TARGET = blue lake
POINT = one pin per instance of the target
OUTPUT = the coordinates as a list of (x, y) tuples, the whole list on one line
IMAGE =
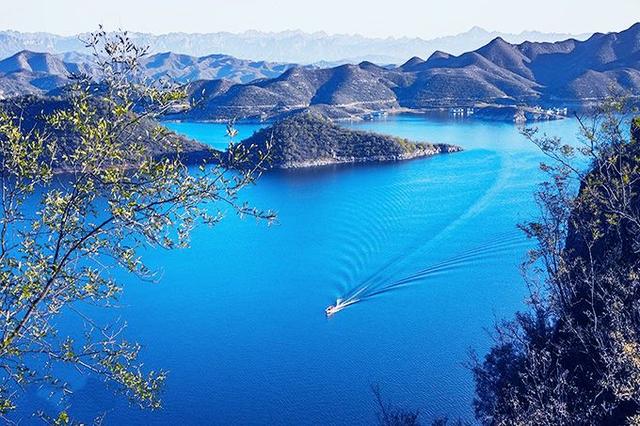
[(238, 319)]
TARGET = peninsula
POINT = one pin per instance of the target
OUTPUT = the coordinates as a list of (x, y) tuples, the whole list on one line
[(309, 139)]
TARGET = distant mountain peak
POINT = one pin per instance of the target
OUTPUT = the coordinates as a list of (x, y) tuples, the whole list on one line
[(416, 60), (558, 74), (634, 29), (368, 65), (287, 46), (477, 30), (37, 62), (439, 54), (497, 46), (499, 41)]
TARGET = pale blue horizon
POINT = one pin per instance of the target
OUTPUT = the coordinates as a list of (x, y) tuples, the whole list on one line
[(407, 18)]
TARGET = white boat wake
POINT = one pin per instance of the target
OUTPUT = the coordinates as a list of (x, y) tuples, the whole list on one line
[(374, 286)]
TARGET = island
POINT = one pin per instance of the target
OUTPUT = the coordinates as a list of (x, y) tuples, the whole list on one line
[(310, 139)]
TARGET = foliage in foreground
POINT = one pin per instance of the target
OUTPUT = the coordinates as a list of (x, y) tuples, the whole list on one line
[(575, 357), (63, 237)]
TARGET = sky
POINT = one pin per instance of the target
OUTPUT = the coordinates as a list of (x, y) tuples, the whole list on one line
[(373, 18)]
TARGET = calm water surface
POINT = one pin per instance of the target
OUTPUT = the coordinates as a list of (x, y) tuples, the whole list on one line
[(238, 320)]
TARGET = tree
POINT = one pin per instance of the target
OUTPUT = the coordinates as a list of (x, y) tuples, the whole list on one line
[(85, 185), (574, 358)]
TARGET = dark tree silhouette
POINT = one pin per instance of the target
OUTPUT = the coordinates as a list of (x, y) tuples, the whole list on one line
[(574, 358)]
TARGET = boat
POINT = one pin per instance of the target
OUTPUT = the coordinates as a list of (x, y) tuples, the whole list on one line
[(340, 305), (333, 309)]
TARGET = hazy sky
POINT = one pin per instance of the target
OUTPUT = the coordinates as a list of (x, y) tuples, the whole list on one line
[(413, 18)]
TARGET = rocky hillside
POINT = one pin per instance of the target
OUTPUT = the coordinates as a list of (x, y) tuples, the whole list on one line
[(185, 68), (307, 140), (29, 73), (568, 73), (352, 88)]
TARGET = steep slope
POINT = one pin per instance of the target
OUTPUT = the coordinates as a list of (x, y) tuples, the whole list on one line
[(584, 323), (355, 84), (412, 63), (576, 70), (27, 61), (506, 56), (27, 73), (292, 90), (185, 68), (465, 80), (37, 73)]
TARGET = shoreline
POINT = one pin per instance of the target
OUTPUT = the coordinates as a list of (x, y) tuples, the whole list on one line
[(341, 116), (440, 149)]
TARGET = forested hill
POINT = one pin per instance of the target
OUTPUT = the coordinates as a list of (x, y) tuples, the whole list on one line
[(31, 113), (307, 140)]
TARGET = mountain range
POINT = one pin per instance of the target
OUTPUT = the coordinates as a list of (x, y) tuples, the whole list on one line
[(29, 72), (287, 46), (560, 74), (566, 73)]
